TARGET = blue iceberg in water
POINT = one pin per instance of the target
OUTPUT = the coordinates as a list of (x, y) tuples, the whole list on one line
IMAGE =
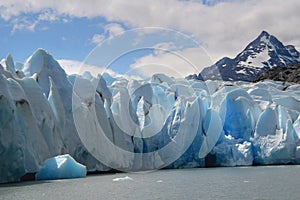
[(61, 167)]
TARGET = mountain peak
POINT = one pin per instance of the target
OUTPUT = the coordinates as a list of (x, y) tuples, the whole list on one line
[(263, 53), (264, 33), (266, 38)]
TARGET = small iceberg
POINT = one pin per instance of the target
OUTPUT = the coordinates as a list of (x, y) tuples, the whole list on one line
[(61, 167), (126, 178)]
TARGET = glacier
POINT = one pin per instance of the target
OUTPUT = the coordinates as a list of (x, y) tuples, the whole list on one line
[(108, 123)]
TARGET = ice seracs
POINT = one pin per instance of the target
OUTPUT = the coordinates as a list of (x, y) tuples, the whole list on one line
[(107, 122)]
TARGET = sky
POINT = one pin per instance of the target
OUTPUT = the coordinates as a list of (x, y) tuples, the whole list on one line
[(142, 37)]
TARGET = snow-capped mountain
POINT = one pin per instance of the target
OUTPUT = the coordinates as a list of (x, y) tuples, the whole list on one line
[(264, 53)]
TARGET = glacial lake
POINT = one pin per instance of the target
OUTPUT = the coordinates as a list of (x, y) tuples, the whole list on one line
[(256, 183)]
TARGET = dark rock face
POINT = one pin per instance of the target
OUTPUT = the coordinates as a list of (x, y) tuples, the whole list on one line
[(262, 54), (285, 74)]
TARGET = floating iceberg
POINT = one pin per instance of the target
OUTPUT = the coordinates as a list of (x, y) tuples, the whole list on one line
[(109, 122), (126, 178), (61, 167)]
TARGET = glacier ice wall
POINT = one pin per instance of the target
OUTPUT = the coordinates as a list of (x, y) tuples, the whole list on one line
[(109, 123)]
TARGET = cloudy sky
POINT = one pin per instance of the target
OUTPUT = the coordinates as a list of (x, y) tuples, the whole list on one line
[(195, 33)]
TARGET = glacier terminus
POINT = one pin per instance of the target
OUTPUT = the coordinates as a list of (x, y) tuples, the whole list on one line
[(108, 122)]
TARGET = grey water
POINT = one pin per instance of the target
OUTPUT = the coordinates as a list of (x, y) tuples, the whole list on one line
[(257, 183)]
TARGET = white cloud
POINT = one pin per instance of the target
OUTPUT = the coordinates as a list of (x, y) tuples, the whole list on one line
[(164, 46), (110, 31), (175, 63), (23, 24), (30, 23), (97, 38), (47, 16), (225, 28), (77, 67), (113, 29)]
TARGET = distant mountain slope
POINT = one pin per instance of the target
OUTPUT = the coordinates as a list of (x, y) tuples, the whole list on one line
[(286, 73), (262, 54)]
